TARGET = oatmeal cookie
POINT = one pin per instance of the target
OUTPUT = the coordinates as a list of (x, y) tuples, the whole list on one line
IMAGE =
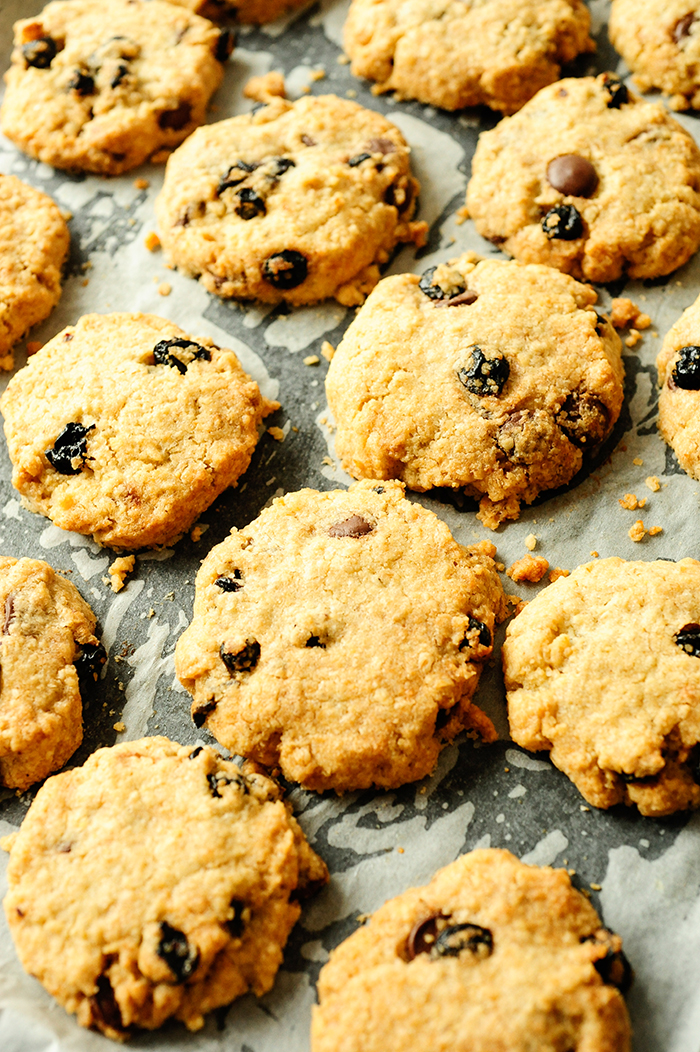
[(660, 42), (678, 363)]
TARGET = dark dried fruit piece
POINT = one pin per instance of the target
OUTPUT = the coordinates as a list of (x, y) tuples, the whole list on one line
[(236, 924), (315, 641), (681, 29), (195, 752), (238, 171), (250, 204), (572, 175), (563, 222), (485, 637), (688, 639), (40, 53), (359, 158), (81, 83), (382, 146), (286, 269), (243, 660), (485, 376), (70, 446), (230, 582), (686, 371), (173, 948), (617, 93), (584, 419), (422, 936), (354, 526), (88, 665), (601, 325), (613, 968), (200, 714), (224, 45), (434, 292), (118, 77), (463, 298), (9, 614), (104, 1009), (175, 120), (280, 165), (189, 352), (459, 937)]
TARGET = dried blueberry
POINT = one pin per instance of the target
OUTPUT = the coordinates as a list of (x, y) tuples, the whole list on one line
[(572, 175), (434, 292), (238, 171), (88, 665), (189, 352), (181, 958), (9, 614), (315, 641), (688, 639), (286, 269), (175, 120), (613, 968), (250, 204), (458, 937), (280, 165), (118, 77), (422, 936), (686, 371), (359, 158), (81, 83), (104, 1008), (485, 376), (485, 637), (617, 93), (236, 924), (563, 222), (216, 781), (584, 419), (230, 582), (70, 446), (195, 752), (354, 526), (243, 660), (40, 53), (681, 29), (224, 45), (200, 714), (601, 325)]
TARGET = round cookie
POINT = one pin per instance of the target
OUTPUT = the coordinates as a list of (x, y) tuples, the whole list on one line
[(454, 54), (156, 881), (246, 11), (341, 636), (295, 202), (490, 377), (602, 669), (678, 363), (660, 42), (591, 179), (491, 954), (102, 85), (125, 428), (34, 243), (50, 656)]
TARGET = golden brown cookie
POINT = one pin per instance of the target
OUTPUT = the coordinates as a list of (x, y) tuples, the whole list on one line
[(246, 11), (678, 363), (660, 42)]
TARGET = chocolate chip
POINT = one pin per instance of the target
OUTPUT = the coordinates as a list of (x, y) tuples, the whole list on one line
[(456, 938), (243, 660), (354, 526), (584, 419), (176, 119), (189, 352), (434, 292), (681, 29), (563, 222), (359, 158), (81, 83), (572, 175), (467, 297), (9, 614), (70, 445), (40, 53), (173, 948), (250, 204), (315, 641), (104, 1008), (236, 924), (286, 269), (485, 637), (686, 371), (231, 582), (88, 665), (381, 146), (195, 752), (224, 45), (238, 171), (485, 376), (617, 93), (200, 714), (613, 968), (688, 639), (118, 77), (422, 936)]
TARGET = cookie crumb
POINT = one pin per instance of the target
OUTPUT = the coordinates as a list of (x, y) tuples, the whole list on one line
[(119, 727), (152, 241), (596, 887), (461, 215), (85, 282), (652, 483), (594, 555), (141, 184), (531, 542), (633, 339), (318, 74), (164, 289), (631, 503), (327, 350), (351, 93), (151, 612), (500, 567), (119, 571), (400, 850), (312, 359), (556, 572), (624, 312), (343, 60), (531, 568), (196, 533), (277, 433), (262, 89), (638, 461), (328, 462), (33, 346), (637, 532), (655, 530)]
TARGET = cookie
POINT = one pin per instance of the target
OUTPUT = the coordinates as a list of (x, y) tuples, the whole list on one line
[(102, 85), (125, 428), (490, 377), (455, 54), (50, 656), (295, 202), (591, 179), (246, 11), (491, 954), (157, 880), (660, 42), (602, 669), (678, 363), (341, 636), (34, 242)]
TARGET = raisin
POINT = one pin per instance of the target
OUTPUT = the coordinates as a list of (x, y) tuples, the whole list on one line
[(286, 269), (118, 77), (250, 204), (381, 146), (81, 83), (686, 371), (175, 120), (359, 158), (217, 780), (236, 924), (354, 526), (40, 53), (235, 175), (191, 352), (224, 45), (617, 93), (315, 641), (688, 639), (173, 948), (458, 937), (105, 1011), (280, 165), (195, 752), (485, 637), (230, 583), (681, 29), (88, 665), (584, 419), (200, 714), (563, 222), (9, 614), (70, 445), (572, 175), (243, 660), (434, 292), (467, 297), (485, 376), (613, 968), (422, 936)]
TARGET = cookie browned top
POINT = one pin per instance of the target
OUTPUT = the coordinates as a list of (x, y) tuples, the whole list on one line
[(678, 363), (602, 668), (155, 881), (246, 11), (660, 42), (456, 53), (341, 635), (591, 179), (296, 201), (489, 376), (126, 428), (101, 85), (491, 954)]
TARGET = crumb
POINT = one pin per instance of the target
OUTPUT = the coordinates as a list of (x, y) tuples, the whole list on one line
[(196, 534), (517, 603), (556, 572), (638, 461), (277, 433), (655, 335), (329, 463), (507, 770), (306, 90), (33, 346), (85, 282), (164, 289), (151, 612), (119, 727), (530, 568), (343, 60), (624, 312), (312, 359), (318, 74), (582, 807), (400, 850), (119, 570), (461, 215), (264, 88), (531, 542), (500, 567), (594, 555), (141, 184), (596, 887), (571, 872), (327, 350), (296, 429), (637, 532), (655, 530), (152, 241), (630, 502), (633, 339), (132, 221), (67, 216), (652, 483), (351, 93)]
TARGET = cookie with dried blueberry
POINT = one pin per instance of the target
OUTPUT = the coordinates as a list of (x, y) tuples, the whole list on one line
[(51, 659), (491, 954), (678, 364), (341, 636), (295, 202), (660, 42), (590, 179), (453, 55), (490, 377), (102, 85), (157, 880), (125, 428), (257, 12), (602, 670)]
